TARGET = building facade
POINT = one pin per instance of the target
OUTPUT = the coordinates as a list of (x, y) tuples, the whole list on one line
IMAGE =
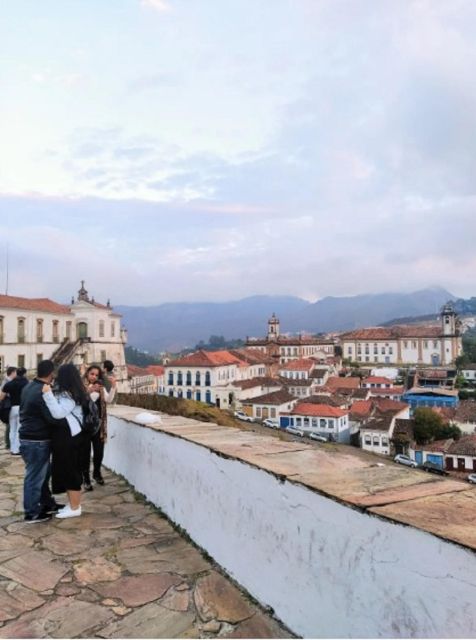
[(85, 332), (433, 345)]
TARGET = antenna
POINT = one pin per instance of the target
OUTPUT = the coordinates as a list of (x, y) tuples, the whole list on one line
[(6, 284)]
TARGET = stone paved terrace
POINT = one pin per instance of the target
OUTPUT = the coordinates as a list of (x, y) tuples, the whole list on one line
[(119, 571)]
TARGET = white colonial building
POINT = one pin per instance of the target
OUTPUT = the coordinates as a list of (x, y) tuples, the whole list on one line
[(34, 329), (412, 344), (287, 348)]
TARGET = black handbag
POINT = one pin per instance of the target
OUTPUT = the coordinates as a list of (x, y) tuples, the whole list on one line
[(5, 406)]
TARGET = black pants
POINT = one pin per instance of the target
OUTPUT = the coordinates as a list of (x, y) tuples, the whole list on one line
[(98, 455)]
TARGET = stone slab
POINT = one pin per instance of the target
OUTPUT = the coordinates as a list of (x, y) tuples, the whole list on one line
[(149, 621), (451, 516), (36, 570), (217, 599), (15, 600), (97, 570), (135, 591)]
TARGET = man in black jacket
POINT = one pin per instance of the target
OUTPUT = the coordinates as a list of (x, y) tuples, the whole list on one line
[(35, 424), (14, 388)]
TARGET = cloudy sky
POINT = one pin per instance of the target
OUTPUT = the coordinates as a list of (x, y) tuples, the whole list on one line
[(168, 150)]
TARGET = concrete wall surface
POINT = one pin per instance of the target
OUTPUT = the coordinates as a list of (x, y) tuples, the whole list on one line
[(326, 569)]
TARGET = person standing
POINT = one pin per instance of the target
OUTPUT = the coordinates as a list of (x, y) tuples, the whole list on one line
[(14, 388), (93, 381), (36, 423), (109, 379), (10, 374), (67, 405)]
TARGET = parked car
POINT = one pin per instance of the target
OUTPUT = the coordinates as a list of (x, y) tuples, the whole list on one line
[(431, 467), (269, 422), (472, 478), (295, 432), (316, 436), (400, 458), (241, 415)]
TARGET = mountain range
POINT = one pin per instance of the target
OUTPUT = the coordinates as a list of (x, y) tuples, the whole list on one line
[(175, 326)]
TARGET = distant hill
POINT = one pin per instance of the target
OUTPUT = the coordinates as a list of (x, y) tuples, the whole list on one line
[(174, 326)]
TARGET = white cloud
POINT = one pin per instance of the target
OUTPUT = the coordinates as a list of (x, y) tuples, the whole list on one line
[(157, 5)]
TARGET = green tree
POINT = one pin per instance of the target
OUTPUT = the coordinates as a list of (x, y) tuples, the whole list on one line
[(429, 426)]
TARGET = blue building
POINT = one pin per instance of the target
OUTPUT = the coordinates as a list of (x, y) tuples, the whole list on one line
[(430, 397)]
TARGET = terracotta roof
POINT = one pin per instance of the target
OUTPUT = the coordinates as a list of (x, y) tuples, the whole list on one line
[(385, 405), (469, 367), (377, 380), (333, 401), (466, 411), (156, 370), (403, 426), (133, 371), (207, 359), (289, 341), (302, 364), (465, 446), (252, 356), (335, 382), (386, 391), (378, 424), (393, 333), (273, 398), (259, 381), (361, 408), (360, 394), (321, 410), (33, 304), (438, 446), (319, 373)]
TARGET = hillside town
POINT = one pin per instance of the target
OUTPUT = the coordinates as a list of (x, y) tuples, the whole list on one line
[(361, 388)]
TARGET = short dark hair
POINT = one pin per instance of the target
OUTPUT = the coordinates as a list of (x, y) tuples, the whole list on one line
[(21, 372), (45, 368), (11, 370), (108, 365)]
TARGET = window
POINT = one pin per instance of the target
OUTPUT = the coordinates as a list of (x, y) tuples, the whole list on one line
[(171, 378), (258, 412), (179, 379), (314, 422), (323, 423), (405, 345), (21, 330), (383, 350), (368, 440), (349, 351), (272, 412), (367, 349), (413, 344), (39, 330), (68, 329), (207, 379), (376, 441), (425, 344), (21, 360), (367, 359), (113, 329), (189, 378), (435, 344), (375, 358), (171, 393), (390, 350), (384, 441), (55, 330), (375, 348), (298, 422), (197, 379), (101, 328)]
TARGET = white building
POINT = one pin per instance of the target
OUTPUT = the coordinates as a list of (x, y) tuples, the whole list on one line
[(321, 419), (377, 431), (85, 332), (412, 344)]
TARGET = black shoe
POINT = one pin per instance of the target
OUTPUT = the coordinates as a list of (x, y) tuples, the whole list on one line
[(41, 517), (54, 508), (87, 486), (98, 478)]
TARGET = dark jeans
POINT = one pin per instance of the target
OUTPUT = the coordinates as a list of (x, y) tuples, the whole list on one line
[(98, 455), (36, 493)]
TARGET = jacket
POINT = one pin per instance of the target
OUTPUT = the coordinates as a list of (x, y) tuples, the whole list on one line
[(14, 389), (35, 419)]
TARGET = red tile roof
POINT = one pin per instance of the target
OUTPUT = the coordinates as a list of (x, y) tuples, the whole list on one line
[(361, 408), (465, 446), (378, 391), (273, 398), (156, 370), (207, 359), (133, 371), (437, 446), (322, 410), (33, 304), (302, 364), (385, 405), (393, 333), (377, 380), (336, 382)]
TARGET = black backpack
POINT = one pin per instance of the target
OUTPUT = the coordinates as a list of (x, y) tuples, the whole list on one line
[(91, 420)]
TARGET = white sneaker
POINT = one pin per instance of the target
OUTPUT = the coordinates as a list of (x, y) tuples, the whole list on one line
[(67, 512)]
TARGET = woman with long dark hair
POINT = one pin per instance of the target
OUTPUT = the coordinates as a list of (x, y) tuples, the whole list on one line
[(67, 404), (94, 384)]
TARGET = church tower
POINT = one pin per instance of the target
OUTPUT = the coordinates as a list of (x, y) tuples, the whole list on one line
[(273, 328), (449, 320)]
